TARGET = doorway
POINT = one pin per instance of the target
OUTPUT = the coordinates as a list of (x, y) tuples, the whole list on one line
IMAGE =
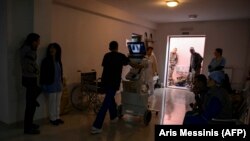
[(178, 76)]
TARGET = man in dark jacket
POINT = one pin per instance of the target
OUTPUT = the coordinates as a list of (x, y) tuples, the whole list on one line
[(195, 62)]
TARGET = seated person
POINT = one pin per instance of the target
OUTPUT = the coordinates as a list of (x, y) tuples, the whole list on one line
[(199, 89), (226, 84), (247, 84), (216, 102), (246, 91)]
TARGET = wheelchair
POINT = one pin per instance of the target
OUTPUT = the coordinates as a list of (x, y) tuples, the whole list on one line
[(86, 95)]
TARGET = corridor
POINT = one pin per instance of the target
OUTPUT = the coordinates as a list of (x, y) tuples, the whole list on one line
[(168, 107)]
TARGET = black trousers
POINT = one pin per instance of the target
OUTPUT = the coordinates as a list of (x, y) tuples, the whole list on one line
[(32, 92), (108, 104)]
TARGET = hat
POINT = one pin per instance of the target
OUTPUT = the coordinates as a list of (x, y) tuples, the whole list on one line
[(217, 76)]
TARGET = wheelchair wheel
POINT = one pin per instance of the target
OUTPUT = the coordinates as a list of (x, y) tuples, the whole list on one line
[(96, 102), (97, 107), (79, 99)]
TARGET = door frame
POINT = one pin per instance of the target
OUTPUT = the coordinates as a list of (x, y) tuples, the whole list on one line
[(169, 46)]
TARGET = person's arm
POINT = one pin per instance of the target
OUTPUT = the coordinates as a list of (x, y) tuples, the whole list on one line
[(135, 65), (155, 64), (200, 59), (218, 68), (210, 69), (104, 60), (43, 72), (176, 59)]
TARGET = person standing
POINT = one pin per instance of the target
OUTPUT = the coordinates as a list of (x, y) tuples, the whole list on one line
[(151, 69), (112, 64), (218, 62), (195, 63), (30, 72), (173, 60), (51, 81)]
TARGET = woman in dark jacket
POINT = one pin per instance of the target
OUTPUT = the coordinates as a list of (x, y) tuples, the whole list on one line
[(30, 73), (51, 81)]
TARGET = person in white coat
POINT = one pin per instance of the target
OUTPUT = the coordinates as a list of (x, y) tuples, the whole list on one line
[(150, 69)]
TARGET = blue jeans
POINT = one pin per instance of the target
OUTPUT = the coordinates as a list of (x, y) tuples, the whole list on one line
[(108, 104)]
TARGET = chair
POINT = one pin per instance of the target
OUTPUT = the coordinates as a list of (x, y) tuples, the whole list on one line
[(89, 83)]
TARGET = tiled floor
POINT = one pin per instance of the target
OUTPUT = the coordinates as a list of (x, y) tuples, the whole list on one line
[(176, 104), (171, 104)]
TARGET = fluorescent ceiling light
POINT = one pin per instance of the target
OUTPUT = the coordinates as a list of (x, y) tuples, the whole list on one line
[(193, 16)]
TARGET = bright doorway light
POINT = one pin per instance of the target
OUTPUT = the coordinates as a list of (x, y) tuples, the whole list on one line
[(181, 70)]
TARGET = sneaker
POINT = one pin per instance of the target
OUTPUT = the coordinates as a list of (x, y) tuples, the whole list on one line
[(54, 122), (60, 121), (95, 130)]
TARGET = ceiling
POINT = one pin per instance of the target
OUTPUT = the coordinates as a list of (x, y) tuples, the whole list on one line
[(206, 10)]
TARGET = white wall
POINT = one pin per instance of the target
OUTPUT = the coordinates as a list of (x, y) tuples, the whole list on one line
[(83, 31), (232, 36), (85, 35)]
